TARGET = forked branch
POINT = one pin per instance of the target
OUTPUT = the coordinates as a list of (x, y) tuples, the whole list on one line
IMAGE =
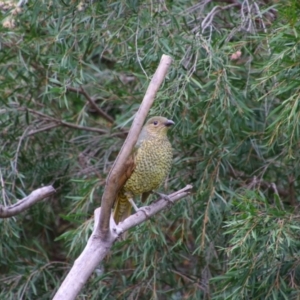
[(97, 248)]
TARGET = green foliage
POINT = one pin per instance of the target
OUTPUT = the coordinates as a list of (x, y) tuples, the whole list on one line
[(233, 92), (264, 243)]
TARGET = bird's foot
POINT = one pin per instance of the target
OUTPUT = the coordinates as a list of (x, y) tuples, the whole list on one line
[(163, 196), (144, 209)]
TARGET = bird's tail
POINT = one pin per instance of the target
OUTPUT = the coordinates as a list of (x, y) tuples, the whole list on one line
[(122, 208)]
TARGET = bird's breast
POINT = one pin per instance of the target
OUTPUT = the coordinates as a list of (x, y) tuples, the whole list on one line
[(153, 162)]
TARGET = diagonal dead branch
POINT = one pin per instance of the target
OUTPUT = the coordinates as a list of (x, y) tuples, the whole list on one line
[(20, 206)]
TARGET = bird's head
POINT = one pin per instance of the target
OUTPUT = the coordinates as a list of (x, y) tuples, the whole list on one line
[(158, 126)]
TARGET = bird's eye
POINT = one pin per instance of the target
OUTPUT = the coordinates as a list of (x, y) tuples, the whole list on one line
[(155, 122)]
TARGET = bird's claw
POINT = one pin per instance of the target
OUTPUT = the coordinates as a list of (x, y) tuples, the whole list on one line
[(163, 196), (144, 210)]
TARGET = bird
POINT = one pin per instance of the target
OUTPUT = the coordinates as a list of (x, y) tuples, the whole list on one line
[(147, 167)]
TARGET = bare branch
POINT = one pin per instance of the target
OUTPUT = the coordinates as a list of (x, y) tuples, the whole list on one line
[(63, 123), (46, 128), (209, 18), (70, 125), (20, 206), (102, 113), (253, 182), (97, 247), (117, 169)]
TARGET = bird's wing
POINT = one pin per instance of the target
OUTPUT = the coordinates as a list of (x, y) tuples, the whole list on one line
[(122, 207), (129, 166), (128, 169)]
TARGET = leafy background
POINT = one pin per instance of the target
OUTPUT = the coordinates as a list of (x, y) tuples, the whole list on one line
[(233, 92)]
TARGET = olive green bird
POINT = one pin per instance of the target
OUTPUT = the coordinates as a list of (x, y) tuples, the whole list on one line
[(152, 160)]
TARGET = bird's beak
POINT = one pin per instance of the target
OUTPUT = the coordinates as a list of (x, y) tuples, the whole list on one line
[(169, 123)]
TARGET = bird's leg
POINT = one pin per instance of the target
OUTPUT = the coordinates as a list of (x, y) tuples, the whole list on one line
[(130, 200), (143, 209), (129, 197)]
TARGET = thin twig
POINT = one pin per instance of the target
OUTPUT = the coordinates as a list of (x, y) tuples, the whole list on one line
[(33, 132), (209, 18), (137, 49), (189, 279), (63, 123), (3, 188), (15, 164), (70, 125), (102, 113), (253, 182)]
